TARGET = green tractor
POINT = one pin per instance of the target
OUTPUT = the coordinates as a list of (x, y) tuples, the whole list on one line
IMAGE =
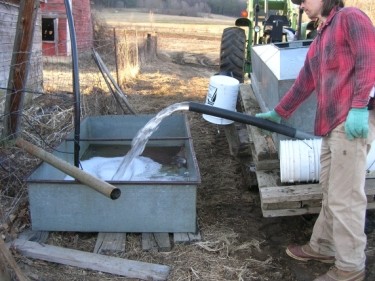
[(267, 21)]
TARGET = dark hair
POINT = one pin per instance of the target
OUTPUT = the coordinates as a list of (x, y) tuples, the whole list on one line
[(328, 5)]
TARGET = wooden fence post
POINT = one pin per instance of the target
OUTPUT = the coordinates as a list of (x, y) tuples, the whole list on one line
[(20, 63), (116, 55)]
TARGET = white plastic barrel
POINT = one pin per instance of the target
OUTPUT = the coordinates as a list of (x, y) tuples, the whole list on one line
[(223, 93), (300, 161)]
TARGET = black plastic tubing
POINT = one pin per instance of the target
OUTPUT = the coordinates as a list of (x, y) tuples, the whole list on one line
[(250, 120)]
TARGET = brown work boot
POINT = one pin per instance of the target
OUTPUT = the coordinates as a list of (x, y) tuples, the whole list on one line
[(335, 274), (305, 253)]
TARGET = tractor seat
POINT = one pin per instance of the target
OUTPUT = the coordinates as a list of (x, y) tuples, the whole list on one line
[(277, 22)]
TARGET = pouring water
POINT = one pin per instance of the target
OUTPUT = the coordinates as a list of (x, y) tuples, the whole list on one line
[(126, 170)]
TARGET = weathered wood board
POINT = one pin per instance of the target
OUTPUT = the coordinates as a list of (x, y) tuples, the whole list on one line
[(156, 241), (108, 264), (186, 238), (110, 242), (264, 152)]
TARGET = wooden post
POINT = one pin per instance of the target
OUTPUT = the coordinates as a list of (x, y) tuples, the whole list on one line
[(136, 60), (9, 265), (148, 47), (27, 16), (116, 55)]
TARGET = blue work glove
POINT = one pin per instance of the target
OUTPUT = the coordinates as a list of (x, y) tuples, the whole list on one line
[(356, 124), (270, 115)]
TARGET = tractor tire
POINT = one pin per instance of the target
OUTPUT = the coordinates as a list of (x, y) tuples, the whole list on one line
[(232, 52)]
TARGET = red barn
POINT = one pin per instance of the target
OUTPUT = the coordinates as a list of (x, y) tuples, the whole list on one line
[(55, 30)]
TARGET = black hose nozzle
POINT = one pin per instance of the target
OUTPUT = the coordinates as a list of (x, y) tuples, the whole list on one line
[(250, 120)]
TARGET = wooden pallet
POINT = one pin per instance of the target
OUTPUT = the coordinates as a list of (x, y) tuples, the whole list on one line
[(108, 243), (296, 199), (282, 199)]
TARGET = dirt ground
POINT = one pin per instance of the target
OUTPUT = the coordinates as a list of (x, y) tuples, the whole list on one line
[(238, 243)]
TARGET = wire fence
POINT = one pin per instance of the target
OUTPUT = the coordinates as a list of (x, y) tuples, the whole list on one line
[(121, 53)]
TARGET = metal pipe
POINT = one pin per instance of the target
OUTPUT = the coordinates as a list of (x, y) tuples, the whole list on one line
[(77, 103), (299, 28), (85, 178), (251, 120)]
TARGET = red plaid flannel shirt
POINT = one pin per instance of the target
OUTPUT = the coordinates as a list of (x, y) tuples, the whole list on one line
[(339, 66)]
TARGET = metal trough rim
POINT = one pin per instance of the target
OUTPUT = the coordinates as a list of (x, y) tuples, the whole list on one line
[(129, 139)]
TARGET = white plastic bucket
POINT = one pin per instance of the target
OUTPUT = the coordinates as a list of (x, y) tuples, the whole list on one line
[(300, 161), (223, 93)]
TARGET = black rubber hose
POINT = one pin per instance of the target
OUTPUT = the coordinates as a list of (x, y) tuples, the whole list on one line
[(76, 90), (250, 120)]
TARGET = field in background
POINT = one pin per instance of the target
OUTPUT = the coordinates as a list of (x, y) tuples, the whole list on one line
[(206, 24), (135, 19)]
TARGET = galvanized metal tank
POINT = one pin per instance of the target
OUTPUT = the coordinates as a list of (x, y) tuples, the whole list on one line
[(275, 68), (159, 205)]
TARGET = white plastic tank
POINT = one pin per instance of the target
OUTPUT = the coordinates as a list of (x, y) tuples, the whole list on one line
[(223, 93)]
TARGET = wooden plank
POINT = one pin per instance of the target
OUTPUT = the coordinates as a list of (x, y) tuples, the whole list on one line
[(277, 194), (108, 264), (163, 242), (194, 237), (299, 192), (181, 238), (264, 152), (290, 212), (267, 178), (249, 102), (238, 139), (148, 242), (311, 203), (110, 242), (301, 211), (186, 238), (282, 205), (298, 199), (156, 241)]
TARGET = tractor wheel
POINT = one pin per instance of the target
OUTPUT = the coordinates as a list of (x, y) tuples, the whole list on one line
[(232, 52)]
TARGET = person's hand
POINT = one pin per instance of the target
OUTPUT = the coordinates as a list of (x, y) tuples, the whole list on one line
[(270, 115), (356, 124)]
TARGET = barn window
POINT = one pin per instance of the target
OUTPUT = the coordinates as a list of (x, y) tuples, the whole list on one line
[(49, 29)]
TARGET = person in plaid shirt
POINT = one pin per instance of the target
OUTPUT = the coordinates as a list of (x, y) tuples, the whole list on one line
[(339, 69)]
